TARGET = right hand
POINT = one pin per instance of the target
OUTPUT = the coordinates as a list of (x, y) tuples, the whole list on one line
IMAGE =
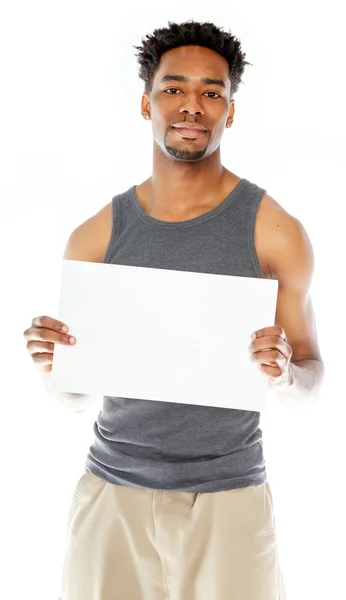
[(41, 338)]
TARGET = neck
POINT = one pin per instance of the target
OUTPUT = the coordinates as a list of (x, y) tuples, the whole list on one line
[(176, 186)]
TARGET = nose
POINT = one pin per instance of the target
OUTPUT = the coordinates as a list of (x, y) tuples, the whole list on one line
[(191, 105)]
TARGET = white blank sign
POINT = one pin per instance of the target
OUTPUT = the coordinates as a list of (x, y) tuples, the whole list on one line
[(165, 335)]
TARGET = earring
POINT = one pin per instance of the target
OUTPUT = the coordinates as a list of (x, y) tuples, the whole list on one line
[(147, 116)]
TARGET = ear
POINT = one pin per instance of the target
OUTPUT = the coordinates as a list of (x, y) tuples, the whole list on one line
[(231, 113), (145, 104)]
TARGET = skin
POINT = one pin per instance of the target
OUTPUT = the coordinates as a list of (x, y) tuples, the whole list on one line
[(188, 180)]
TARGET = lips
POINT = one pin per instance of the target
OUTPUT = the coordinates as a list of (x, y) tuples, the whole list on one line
[(187, 125), (189, 130), (190, 133)]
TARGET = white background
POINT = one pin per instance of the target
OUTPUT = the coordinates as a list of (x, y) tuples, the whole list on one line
[(72, 136)]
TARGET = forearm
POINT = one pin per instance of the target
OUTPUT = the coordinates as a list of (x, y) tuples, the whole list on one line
[(306, 378)]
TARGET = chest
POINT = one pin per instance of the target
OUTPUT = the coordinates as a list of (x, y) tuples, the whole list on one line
[(260, 237)]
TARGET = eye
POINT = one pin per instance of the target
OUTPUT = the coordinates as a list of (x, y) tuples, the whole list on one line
[(169, 89), (215, 94), (175, 90)]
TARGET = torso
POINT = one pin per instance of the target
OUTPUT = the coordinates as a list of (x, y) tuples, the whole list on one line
[(268, 214)]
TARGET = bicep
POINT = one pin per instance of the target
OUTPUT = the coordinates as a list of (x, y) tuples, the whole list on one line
[(89, 241), (293, 265)]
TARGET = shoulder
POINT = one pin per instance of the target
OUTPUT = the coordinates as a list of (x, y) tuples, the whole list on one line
[(89, 241), (284, 241)]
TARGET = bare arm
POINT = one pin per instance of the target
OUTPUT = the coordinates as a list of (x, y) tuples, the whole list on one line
[(87, 243), (291, 259)]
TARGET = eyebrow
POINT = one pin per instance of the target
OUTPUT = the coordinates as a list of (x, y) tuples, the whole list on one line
[(206, 80)]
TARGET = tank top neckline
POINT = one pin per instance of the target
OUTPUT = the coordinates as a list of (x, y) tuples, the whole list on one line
[(190, 222)]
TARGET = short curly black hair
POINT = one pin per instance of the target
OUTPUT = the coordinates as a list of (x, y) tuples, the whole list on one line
[(190, 33)]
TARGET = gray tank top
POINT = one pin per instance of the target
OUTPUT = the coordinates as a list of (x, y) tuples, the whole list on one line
[(165, 445)]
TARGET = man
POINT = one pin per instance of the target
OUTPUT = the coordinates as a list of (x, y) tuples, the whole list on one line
[(175, 502)]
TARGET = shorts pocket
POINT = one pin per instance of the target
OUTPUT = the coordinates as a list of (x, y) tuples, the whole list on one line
[(264, 502), (76, 494)]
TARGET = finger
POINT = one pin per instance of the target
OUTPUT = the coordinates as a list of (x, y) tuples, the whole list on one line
[(270, 331), (43, 359), (49, 323), (270, 370), (271, 343), (34, 346), (269, 357), (47, 335)]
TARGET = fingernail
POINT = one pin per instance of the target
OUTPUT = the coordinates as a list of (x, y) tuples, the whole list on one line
[(253, 336), (72, 340), (64, 329)]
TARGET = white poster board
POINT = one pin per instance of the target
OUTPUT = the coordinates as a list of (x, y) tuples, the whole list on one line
[(156, 334)]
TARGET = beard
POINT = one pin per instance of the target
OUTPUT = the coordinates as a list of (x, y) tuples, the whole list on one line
[(186, 154)]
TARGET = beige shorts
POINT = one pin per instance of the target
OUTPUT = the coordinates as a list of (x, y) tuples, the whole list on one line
[(126, 543)]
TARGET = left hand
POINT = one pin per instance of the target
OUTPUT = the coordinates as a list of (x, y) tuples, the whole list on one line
[(273, 354)]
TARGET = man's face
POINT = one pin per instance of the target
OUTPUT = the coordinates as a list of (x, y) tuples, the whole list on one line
[(182, 93)]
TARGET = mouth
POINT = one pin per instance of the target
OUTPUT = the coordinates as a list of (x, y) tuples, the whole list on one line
[(189, 132)]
